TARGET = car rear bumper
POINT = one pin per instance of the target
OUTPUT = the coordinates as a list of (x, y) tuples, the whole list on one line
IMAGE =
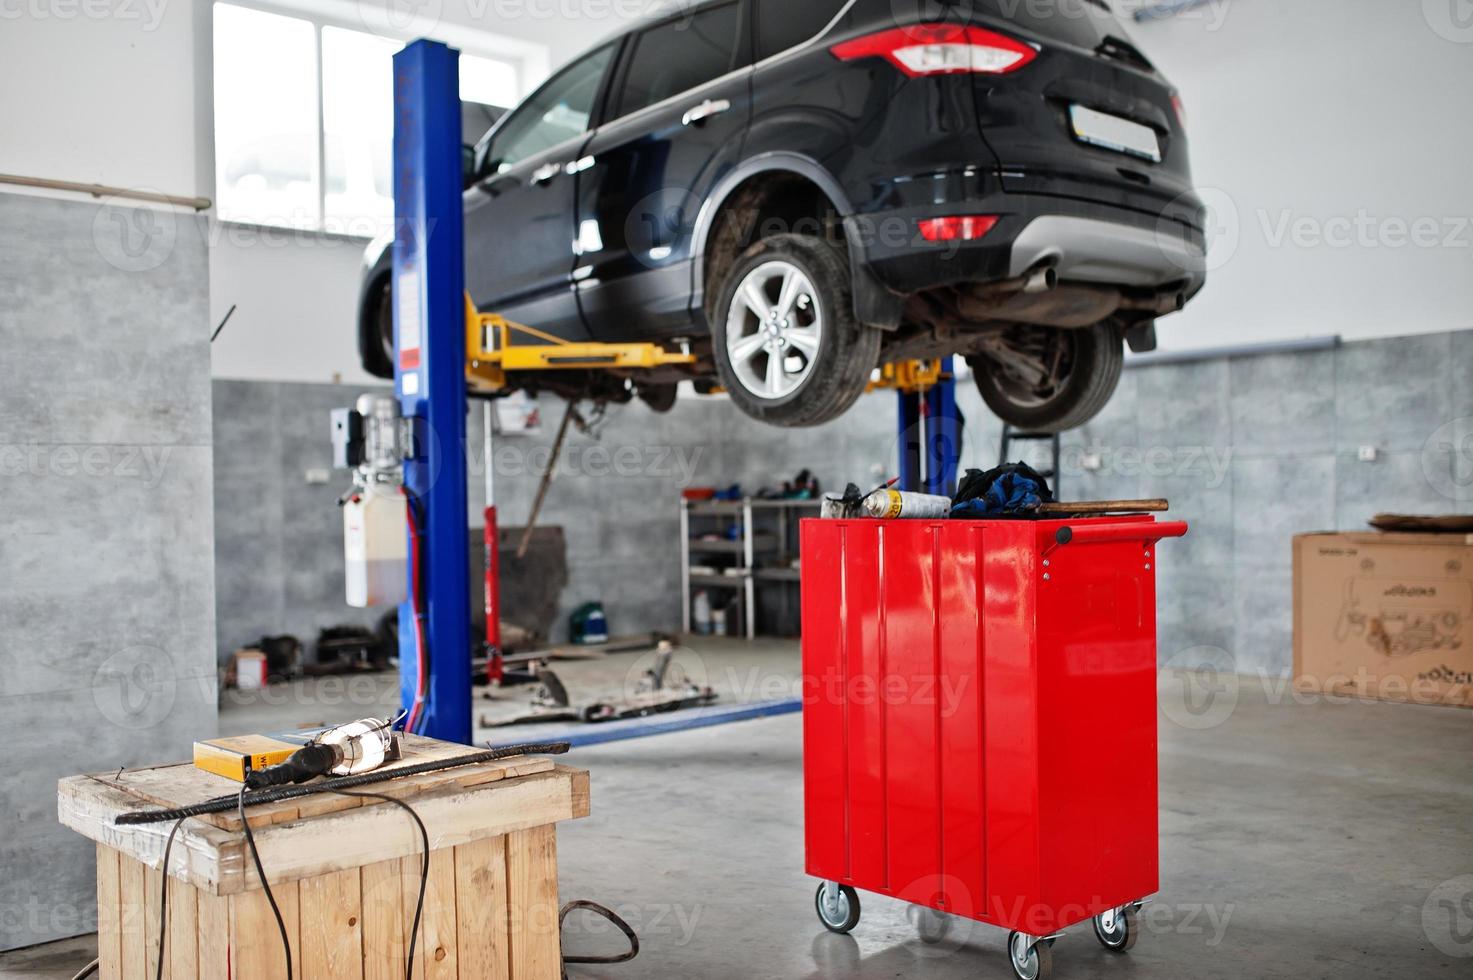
[(1080, 240)]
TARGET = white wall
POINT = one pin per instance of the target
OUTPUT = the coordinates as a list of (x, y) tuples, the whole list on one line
[(1313, 116), (101, 92)]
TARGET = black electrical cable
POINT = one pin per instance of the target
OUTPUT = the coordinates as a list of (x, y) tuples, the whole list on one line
[(164, 898), (286, 943), (221, 804), (424, 872)]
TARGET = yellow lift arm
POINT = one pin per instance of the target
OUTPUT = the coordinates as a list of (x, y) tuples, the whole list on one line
[(491, 354), (910, 377)]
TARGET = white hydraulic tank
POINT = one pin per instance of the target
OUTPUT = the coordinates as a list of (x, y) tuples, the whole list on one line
[(375, 546)]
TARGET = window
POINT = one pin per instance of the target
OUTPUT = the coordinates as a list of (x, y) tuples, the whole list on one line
[(783, 24), (558, 112), (680, 55), (265, 118), (304, 123)]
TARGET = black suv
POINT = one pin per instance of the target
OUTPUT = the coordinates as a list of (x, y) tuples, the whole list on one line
[(800, 191)]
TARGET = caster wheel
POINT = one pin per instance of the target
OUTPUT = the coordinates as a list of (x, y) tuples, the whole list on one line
[(1032, 959), (932, 926), (1117, 929), (839, 910)]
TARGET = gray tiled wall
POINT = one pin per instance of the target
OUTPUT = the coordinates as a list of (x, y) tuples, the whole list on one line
[(1250, 450), (106, 571)]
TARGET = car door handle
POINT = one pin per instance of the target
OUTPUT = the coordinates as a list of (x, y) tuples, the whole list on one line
[(700, 113), (546, 172)]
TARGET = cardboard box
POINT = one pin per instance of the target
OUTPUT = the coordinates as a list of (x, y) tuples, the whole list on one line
[(1386, 616)]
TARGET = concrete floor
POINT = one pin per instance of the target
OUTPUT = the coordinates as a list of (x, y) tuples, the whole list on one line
[(1297, 840)]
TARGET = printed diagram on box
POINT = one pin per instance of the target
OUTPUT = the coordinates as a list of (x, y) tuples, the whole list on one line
[(1401, 617)]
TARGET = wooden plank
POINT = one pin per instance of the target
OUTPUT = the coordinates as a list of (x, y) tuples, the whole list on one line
[(213, 917), (183, 950), (438, 940), (134, 955), (179, 784), (332, 935), (215, 861), (531, 881), (109, 915), (481, 911), (383, 921), (255, 938), (353, 838)]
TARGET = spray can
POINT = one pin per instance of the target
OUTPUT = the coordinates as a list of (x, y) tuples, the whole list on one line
[(701, 613), (889, 504)]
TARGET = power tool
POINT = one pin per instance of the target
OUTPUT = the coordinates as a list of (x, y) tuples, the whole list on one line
[(347, 750)]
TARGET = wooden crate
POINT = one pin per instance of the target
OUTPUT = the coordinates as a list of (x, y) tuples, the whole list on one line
[(345, 873)]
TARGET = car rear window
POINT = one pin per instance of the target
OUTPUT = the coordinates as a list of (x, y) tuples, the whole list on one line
[(783, 24), (1084, 23), (680, 54)]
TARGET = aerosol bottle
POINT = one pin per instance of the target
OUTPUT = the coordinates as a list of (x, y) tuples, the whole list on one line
[(889, 504)]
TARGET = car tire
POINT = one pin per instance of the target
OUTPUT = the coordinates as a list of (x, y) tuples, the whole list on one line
[(800, 366), (377, 341), (1095, 355)]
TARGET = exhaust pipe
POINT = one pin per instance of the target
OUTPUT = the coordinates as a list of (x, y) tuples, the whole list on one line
[(1160, 304), (1041, 281)]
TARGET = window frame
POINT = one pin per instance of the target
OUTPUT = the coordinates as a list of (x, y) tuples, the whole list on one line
[(844, 7), (526, 59), (595, 111), (742, 59)]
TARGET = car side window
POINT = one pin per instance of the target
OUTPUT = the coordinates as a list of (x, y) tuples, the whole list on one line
[(679, 55), (559, 111), (783, 24)]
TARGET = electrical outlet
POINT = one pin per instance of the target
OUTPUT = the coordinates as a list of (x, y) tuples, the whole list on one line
[(318, 477), (1367, 454)]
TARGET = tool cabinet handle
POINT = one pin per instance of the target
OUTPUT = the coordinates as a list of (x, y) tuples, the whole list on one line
[(1137, 531)]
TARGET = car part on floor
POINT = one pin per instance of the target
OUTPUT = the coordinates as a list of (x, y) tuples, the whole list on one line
[(661, 690)]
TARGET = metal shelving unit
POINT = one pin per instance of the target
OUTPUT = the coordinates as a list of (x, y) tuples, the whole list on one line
[(753, 542)]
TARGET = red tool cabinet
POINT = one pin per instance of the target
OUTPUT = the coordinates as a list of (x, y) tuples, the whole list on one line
[(980, 720)]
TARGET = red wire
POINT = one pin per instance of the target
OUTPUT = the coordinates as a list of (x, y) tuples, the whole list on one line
[(414, 602)]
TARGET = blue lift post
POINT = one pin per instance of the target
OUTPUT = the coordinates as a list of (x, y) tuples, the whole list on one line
[(429, 376), (930, 443)]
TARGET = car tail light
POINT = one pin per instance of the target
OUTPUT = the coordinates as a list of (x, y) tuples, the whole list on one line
[(940, 49), (957, 227), (1180, 107)]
